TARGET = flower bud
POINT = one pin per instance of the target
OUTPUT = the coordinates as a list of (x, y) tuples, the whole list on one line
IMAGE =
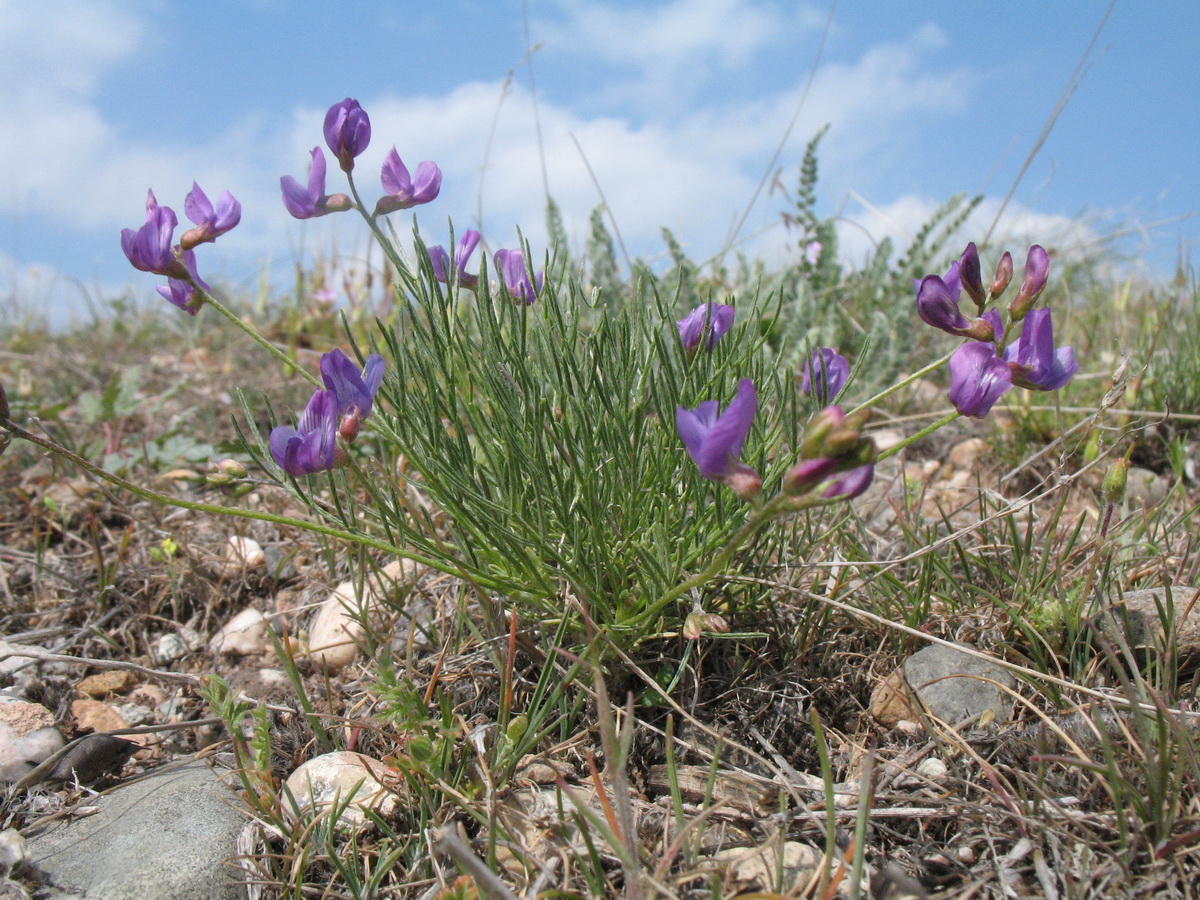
[(1004, 274), (217, 479), (232, 468), (972, 282), (818, 429), (1113, 486), (698, 622), (806, 475), (1037, 269)]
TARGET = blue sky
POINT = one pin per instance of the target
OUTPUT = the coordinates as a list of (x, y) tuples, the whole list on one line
[(677, 105)]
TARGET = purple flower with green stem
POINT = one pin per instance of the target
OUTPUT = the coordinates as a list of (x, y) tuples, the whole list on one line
[(511, 266), (405, 191), (714, 439), (354, 390), (1034, 361), (149, 248), (825, 374), (347, 131), (705, 325), (312, 201), (978, 378), (311, 446), (211, 222), (851, 484), (971, 276), (439, 259)]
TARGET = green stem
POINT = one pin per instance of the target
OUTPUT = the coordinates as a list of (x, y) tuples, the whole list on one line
[(363, 539), (913, 438), (372, 222), (937, 363), (258, 338)]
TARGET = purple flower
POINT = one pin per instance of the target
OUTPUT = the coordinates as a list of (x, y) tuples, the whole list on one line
[(149, 248), (937, 301), (937, 305), (354, 391), (307, 203), (1037, 270), (851, 484), (706, 324), (347, 131), (311, 446), (1004, 272), (210, 223), (511, 266), (825, 374), (978, 378), (404, 191), (1034, 361), (971, 277), (440, 260), (714, 440)]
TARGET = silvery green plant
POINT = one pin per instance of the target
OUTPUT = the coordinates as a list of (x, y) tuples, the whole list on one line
[(566, 452)]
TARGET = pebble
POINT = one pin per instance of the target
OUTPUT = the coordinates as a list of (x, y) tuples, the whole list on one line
[(763, 866), (353, 782), (965, 454), (27, 738), (1143, 486), (337, 627), (949, 684), (115, 681), (243, 635), (1142, 623), (245, 553)]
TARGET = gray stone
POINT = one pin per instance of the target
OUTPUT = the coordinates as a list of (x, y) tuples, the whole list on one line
[(165, 837), (954, 685), (1139, 617)]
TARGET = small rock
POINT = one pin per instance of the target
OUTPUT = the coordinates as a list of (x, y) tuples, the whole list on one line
[(337, 627), (169, 647), (13, 851), (890, 702), (886, 438), (932, 768), (245, 554), (115, 681), (281, 562), (170, 834), (243, 635), (1143, 486), (954, 685), (95, 756), (11, 658), (762, 865), (92, 715), (27, 738), (966, 454), (1142, 623), (351, 781)]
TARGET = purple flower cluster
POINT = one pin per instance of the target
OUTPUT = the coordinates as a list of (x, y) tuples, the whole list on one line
[(347, 134), (151, 248), (983, 369), (335, 412)]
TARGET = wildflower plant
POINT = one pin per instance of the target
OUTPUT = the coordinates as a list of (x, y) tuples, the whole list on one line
[(566, 454)]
